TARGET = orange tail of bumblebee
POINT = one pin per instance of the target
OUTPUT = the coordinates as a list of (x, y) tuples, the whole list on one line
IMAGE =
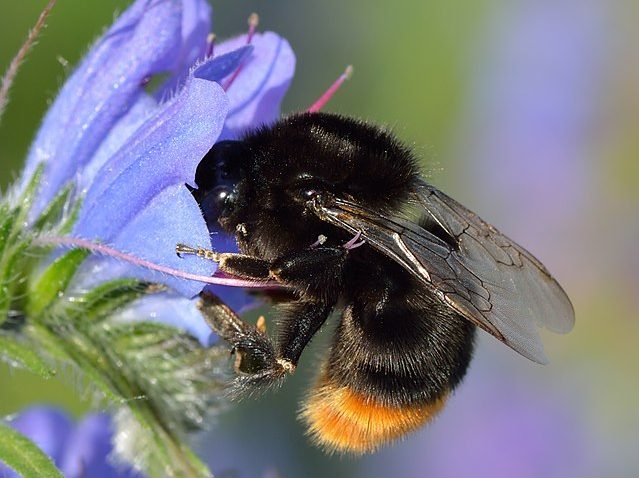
[(344, 421)]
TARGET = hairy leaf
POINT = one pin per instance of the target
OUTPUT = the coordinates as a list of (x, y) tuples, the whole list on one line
[(24, 456), (54, 280), (19, 353)]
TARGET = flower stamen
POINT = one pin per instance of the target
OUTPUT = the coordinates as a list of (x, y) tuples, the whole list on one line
[(102, 249), (328, 94), (253, 22), (210, 45), (14, 66)]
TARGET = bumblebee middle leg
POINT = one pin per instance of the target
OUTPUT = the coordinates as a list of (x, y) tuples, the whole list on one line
[(256, 361), (315, 275)]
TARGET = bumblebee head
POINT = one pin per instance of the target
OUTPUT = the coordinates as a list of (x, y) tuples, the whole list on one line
[(217, 178)]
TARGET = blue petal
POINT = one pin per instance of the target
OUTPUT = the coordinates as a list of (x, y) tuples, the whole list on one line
[(169, 218), (170, 309), (223, 65), (196, 25), (165, 151), (143, 41), (88, 450), (257, 92), (144, 108), (237, 298)]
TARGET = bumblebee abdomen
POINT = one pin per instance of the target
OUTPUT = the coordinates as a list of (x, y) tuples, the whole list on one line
[(392, 366), (343, 420)]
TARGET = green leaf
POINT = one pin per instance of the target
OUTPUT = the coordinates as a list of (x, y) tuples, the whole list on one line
[(21, 454), (25, 201), (54, 281), (7, 218), (105, 299), (17, 352), (12, 269), (54, 211), (71, 349)]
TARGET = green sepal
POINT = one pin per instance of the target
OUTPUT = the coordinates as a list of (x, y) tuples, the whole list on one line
[(141, 335), (25, 200), (68, 221), (17, 352), (66, 347), (103, 300), (7, 219), (54, 212), (54, 281), (173, 368), (24, 456), (13, 264)]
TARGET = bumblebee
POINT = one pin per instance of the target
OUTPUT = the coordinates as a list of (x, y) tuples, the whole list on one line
[(336, 211)]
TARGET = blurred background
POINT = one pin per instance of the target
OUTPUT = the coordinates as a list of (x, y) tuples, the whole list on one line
[(527, 111)]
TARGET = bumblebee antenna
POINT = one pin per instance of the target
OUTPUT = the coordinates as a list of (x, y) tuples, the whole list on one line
[(328, 94)]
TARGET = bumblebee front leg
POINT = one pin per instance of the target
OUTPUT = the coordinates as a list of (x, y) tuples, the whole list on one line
[(311, 269), (238, 265)]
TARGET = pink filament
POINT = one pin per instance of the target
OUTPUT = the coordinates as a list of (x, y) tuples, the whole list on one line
[(223, 279), (328, 94), (253, 21)]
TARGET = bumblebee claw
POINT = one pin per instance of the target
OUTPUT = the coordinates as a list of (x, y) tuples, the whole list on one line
[(183, 249), (285, 365)]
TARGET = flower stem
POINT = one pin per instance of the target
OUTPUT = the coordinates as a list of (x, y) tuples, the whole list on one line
[(14, 66)]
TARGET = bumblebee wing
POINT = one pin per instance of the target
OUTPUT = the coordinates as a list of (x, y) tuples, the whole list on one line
[(482, 275)]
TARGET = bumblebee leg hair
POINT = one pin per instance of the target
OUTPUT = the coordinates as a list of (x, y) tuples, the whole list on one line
[(318, 272), (256, 362), (238, 265), (302, 322), (297, 269)]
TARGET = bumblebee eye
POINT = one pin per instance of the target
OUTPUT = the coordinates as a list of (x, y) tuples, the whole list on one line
[(217, 202), (309, 194), (307, 187), (217, 177), (221, 165)]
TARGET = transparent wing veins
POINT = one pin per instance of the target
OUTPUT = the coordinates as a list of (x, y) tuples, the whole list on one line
[(488, 278)]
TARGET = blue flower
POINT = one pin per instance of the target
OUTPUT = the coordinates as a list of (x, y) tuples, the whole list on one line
[(130, 152), (80, 449)]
